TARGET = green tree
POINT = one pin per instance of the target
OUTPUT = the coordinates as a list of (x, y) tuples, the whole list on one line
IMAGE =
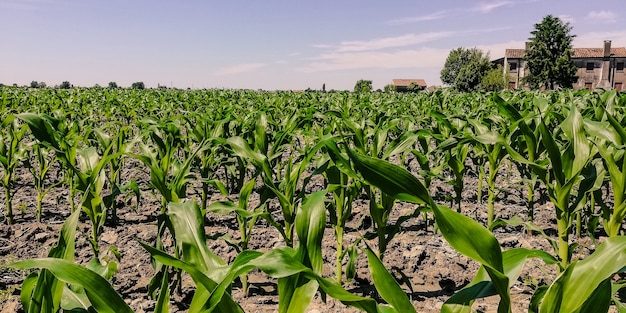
[(41, 85), (65, 85), (138, 85), (34, 84), (549, 57), (465, 68), (415, 87), (390, 88), (495, 79), (112, 85), (363, 86)]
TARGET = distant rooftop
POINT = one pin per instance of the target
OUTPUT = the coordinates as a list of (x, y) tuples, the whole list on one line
[(407, 82), (577, 53)]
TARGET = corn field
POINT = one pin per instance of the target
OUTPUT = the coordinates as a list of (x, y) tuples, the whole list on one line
[(300, 164)]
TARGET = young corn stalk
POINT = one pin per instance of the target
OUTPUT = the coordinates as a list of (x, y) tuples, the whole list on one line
[(492, 144), (610, 137), (45, 160), (568, 159), (63, 285), (523, 145), (246, 216), (344, 190), (12, 153)]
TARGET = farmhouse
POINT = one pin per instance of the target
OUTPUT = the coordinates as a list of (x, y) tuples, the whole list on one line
[(597, 67), (402, 85)]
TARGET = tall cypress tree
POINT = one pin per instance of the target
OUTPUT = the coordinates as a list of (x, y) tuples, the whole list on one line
[(549, 57)]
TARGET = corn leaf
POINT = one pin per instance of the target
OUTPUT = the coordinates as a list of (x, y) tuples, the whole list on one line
[(99, 291), (581, 279)]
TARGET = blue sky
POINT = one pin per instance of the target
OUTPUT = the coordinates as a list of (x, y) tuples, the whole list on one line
[(271, 44)]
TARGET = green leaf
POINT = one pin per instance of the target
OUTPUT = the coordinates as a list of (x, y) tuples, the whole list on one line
[(580, 279), (99, 291), (188, 224), (387, 286), (390, 179)]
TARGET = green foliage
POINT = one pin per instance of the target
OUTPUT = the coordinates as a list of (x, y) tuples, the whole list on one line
[(495, 79), (465, 68), (549, 58), (35, 84), (415, 87), (65, 85), (112, 85), (363, 86), (301, 161), (137, 85), (390, 88)]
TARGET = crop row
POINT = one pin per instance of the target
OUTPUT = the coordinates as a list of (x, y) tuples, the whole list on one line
[(387, 148)]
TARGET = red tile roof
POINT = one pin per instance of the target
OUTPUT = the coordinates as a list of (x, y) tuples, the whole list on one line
[(597, 52), (577, 53), (407, 82), (514, 53)]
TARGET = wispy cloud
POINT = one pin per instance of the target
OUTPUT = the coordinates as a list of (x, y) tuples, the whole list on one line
[(486, 7), (596, 39), (567, 18), (27, 4), (391, 42), (422, 18), (350, 55), (240, 68), (602, 16), (421, 58), (321, 46)]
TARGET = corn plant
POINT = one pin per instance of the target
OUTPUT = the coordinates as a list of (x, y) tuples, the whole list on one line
[(39, 171), (344, 190), (500, 269), (298, 270), (86, 167), (246, 219), (12, 153), (565, 167), (610, 137), (523, 144), (63, 285), (281, 180), (495, 152), (60, 135), (120, 144)]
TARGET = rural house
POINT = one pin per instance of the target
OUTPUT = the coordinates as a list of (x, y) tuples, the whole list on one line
[(597, 67), (402, 85)]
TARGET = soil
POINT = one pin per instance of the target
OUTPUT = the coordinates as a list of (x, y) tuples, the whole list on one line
[(427, 267)]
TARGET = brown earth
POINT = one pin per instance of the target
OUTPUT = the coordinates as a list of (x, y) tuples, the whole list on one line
[(432, 269)]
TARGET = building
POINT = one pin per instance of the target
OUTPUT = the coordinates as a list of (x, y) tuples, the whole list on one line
[(597, 67), (402, 85)]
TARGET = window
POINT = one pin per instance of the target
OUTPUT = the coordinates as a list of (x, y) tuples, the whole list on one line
[(589, 86), (512, 85), (513, 67), (589, 66), (619, 66)]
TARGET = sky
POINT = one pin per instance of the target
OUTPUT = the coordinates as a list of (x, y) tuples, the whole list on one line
[(271, 44)]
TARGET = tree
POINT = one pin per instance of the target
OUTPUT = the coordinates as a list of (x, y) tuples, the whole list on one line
[(65, 85), (363, 86), (34, 84), (415, 87), (138, 85), (112, 85), (41, 85), (465, 68), (390, 88), (549, 55), (495, 79)]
